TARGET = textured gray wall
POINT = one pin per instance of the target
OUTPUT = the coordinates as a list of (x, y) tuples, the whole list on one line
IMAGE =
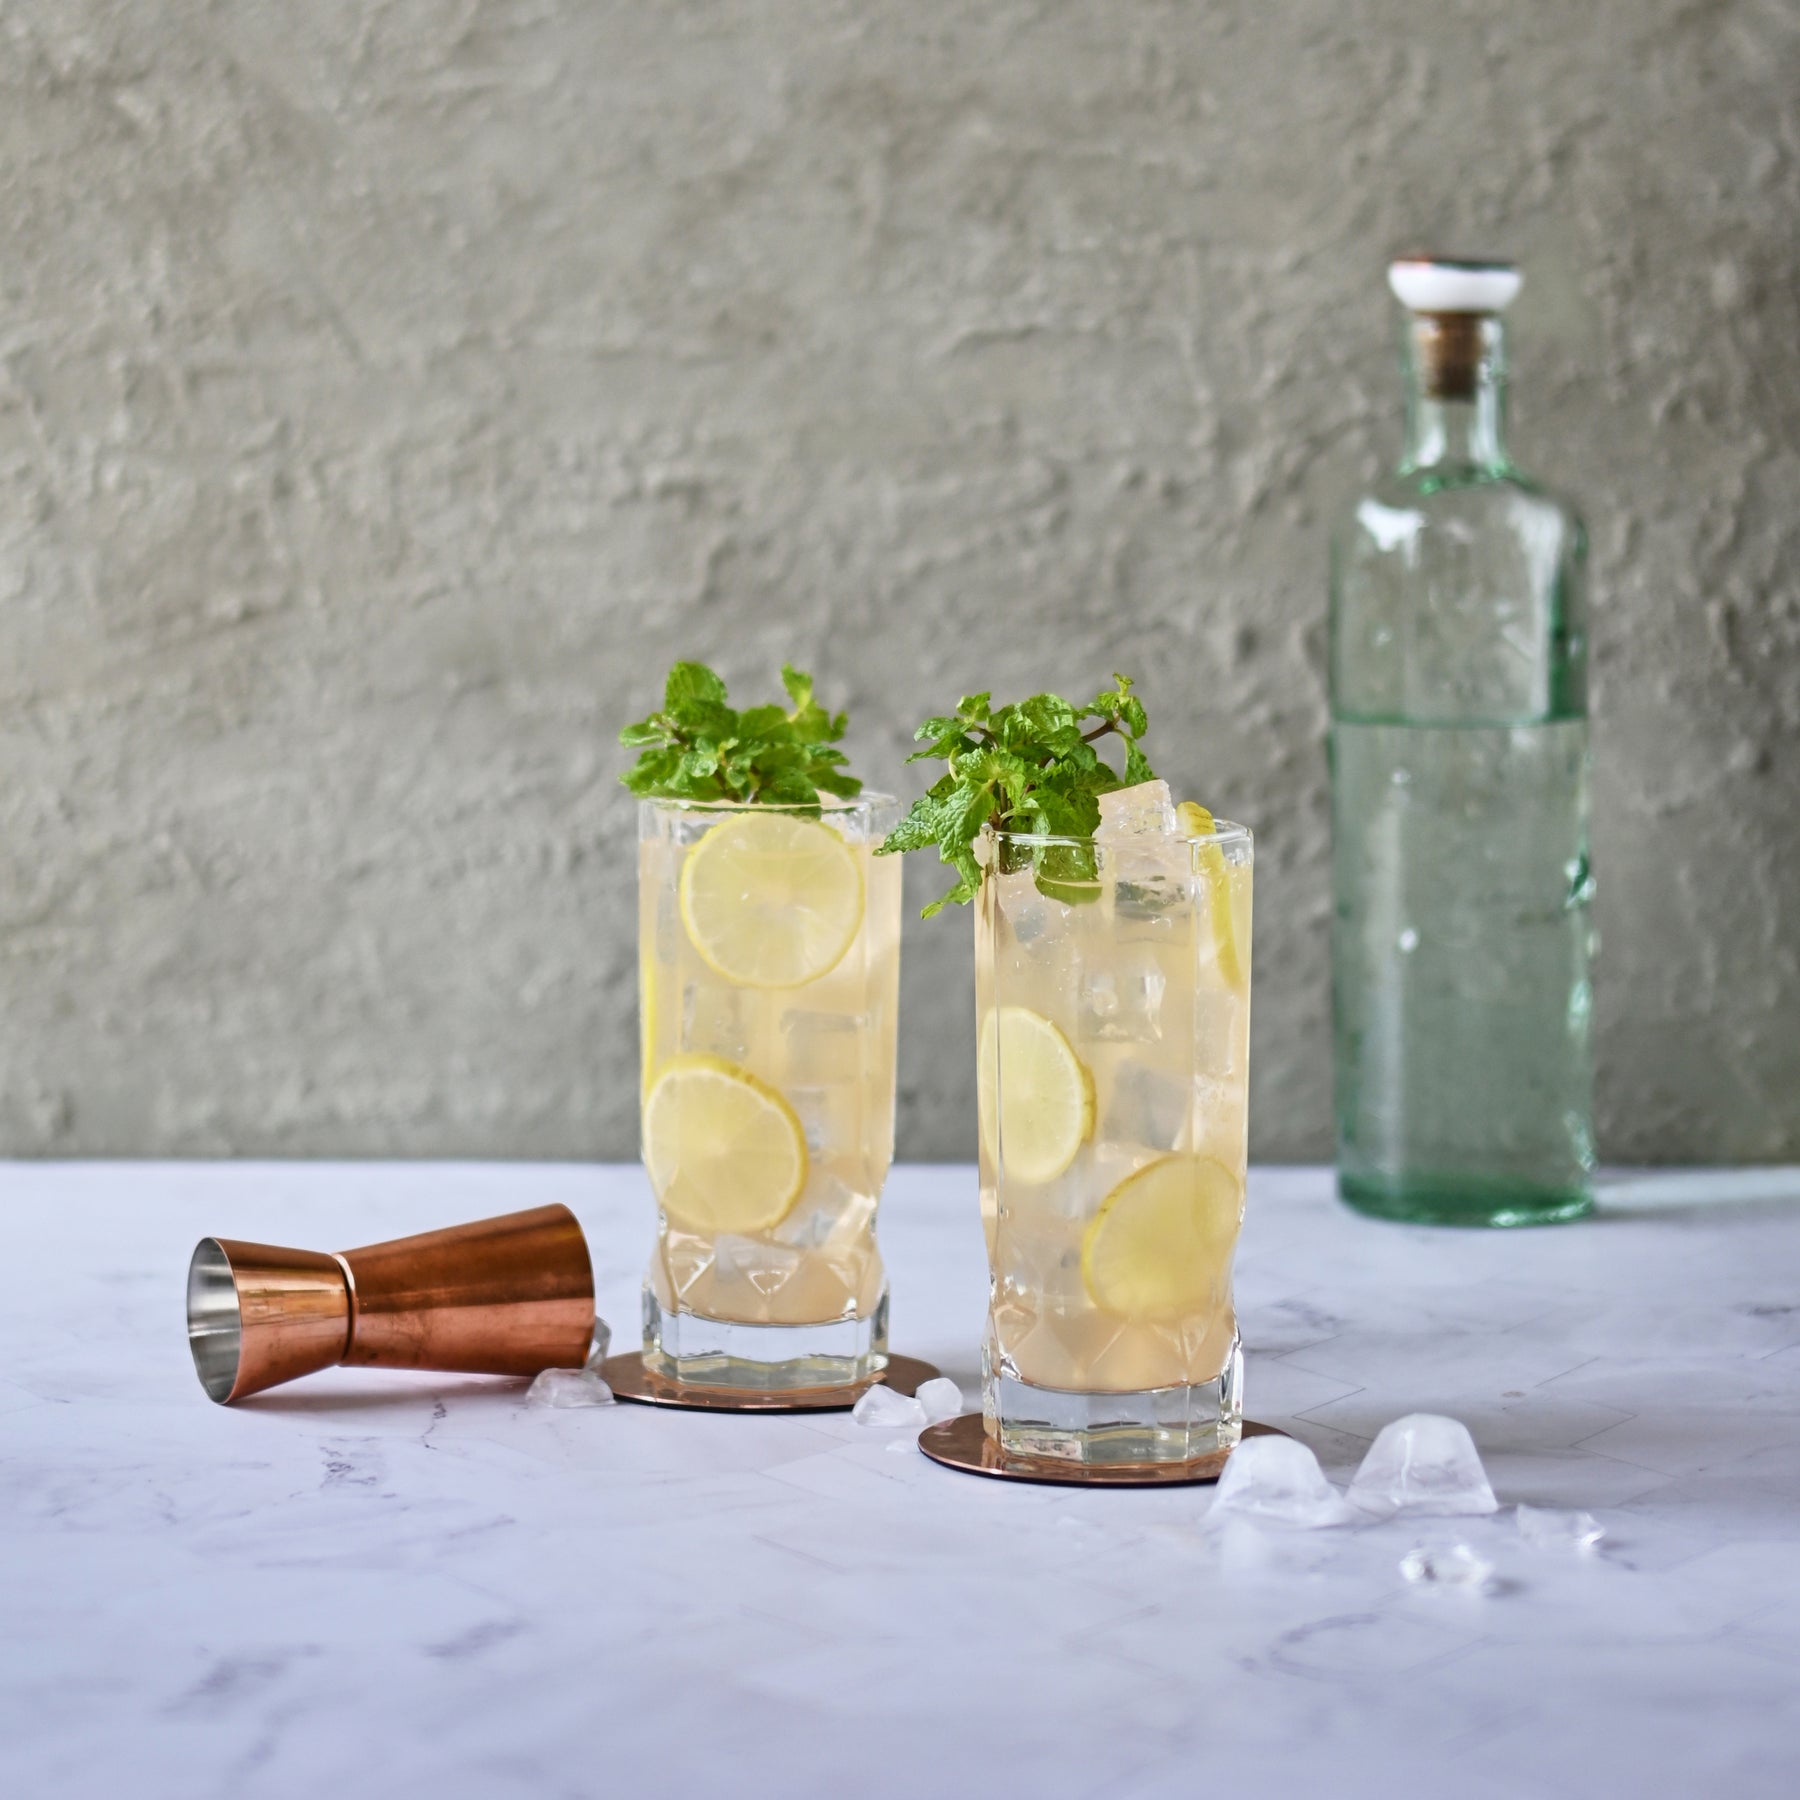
[(388, 391)]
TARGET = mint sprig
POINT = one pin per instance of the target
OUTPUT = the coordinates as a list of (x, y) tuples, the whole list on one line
[(700, 748), (1028, 767)]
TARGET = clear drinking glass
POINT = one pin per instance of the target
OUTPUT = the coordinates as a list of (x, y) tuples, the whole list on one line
[(769, 963), (1113, 1003)]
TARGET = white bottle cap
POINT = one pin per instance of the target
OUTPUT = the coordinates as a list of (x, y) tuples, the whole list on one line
[(1444, 284)]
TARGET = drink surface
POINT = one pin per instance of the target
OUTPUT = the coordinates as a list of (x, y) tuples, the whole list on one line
[(1460, 965), (1112, 1215), (769, 1101)]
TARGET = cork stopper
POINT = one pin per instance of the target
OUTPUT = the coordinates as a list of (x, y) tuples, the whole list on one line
[(1447, 349), (1451, 300)]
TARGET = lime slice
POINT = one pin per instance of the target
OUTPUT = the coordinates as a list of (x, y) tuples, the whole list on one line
[(724, 1150), (1193, 820), (771, 901), (1157, 1250), (1044, 1107)]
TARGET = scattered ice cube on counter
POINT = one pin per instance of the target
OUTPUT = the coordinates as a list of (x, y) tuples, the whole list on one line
[(599, 1344), (884, 1410), (1450, 1565), (1278, 1479), (1423, 1463), (1147, 808), (1243, 1548), (1546, 1529), (568, 1387), (941, 1398)]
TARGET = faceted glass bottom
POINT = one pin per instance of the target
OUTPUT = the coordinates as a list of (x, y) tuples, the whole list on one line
[(1151, 1425), (1478, 1200), (685, 1346)]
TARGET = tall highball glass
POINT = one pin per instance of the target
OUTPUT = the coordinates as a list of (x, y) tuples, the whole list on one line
[(769, 959), (1113, 1004)]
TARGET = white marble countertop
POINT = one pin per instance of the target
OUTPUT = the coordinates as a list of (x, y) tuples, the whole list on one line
[(416, 1586)]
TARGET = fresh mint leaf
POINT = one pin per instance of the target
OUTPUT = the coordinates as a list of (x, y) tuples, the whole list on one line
[(1029, 767), (699, 748), (690, 684), (799, 687)]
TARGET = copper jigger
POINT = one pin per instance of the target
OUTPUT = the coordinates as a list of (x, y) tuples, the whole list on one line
[(506, 1296)]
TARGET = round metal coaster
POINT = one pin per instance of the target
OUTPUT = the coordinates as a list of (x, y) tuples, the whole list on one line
[(630, 1380), (964, 1444)]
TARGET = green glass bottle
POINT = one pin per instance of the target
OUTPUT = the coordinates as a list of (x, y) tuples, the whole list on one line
[(1461, 931)]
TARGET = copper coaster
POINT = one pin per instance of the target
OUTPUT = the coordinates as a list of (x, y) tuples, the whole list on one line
[(630, 1380), (964, 1444)]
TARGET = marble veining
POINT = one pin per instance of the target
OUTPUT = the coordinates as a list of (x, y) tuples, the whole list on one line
[(418, 1586)]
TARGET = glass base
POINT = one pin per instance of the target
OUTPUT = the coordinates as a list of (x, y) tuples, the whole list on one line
[(1150, 1425), (685, 1346), (1481, 1200)]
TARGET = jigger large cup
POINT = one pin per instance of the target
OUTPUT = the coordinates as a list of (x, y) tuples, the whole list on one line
[(506, 1296)]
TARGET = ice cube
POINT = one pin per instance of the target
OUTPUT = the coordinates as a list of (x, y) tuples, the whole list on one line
[(1277, 1479), (1100, 997), (1449, 1565), (823, 1048), (941, 1399), (1147, 808), (1546, 1529), (1423, 1463), (599, 1343), (755, 1262), (884, 1410), (568, 1387), (1035, 925), (1144, 1105), (829, 1116), (1122, 1000), (830, 1213), (717, 1021)]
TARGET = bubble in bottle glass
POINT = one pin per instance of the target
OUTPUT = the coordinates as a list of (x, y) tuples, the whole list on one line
[(1113, 1005), (769, 958)]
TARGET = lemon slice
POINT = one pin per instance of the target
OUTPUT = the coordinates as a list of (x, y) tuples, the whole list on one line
[(771, 901), (1193, 820), (724, 1150), (1045, 1106), (1156, 1251)]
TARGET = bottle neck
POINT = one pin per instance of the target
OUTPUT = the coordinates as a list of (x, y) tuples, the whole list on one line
[(1455, 371)]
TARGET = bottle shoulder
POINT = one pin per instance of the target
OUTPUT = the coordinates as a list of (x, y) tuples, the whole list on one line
[(1458, 599), (1410, 513)]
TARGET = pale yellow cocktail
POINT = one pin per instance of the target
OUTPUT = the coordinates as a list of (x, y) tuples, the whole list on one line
[(1113, 1021), (769, 957)]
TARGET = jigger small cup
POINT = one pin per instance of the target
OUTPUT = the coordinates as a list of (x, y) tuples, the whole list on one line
[(512, 1295)]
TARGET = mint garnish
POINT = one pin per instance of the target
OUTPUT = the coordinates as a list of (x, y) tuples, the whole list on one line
[(699, 748), (1028, 767)]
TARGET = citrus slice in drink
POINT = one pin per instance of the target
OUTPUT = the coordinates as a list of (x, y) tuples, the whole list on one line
[(724, 1150), (1044, 1106), (1193, 820), (770, 900), (1156, 1251)]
